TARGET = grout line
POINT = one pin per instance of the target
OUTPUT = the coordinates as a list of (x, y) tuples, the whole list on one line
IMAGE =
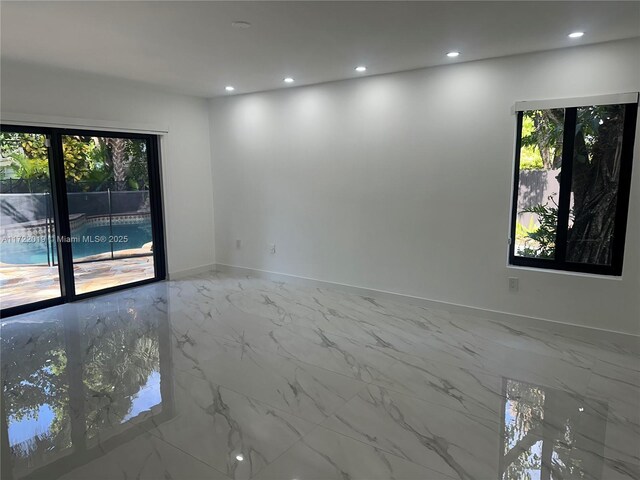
[(382, 449), (317, 425), (279, 408), (251, 398), (171, 445)]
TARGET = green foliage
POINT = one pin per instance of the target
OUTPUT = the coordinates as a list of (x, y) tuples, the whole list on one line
[(29, 168), (589, 123), (542, 132), (530, 157), (523, 231), (543, 238), (138, 177), (88, 161), (530, 160), (78, 157), (26, 155)]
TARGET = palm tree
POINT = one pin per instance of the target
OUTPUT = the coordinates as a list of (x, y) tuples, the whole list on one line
[(119, 160)]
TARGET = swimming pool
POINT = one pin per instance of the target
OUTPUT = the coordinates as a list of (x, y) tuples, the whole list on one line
[(91, 240)]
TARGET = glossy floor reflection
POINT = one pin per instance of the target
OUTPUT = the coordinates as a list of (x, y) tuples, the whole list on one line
[(228, 377)]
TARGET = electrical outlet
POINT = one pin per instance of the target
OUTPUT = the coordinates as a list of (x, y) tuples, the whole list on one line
[(238, 243), (272, 248), (513, 284)]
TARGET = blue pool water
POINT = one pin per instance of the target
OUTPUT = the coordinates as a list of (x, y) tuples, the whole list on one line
[(87, 241)]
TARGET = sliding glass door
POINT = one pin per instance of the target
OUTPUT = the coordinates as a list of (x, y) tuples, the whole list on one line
[(109, 210), (29, 267), (80, 214)]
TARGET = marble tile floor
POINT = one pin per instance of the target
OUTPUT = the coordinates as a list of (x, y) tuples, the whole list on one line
[(222, 376)]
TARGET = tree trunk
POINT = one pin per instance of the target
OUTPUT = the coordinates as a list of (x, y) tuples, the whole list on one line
[(596, 172), (119, 161)]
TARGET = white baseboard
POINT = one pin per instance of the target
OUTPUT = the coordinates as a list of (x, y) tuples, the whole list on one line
[(622, 339), (177, 275)]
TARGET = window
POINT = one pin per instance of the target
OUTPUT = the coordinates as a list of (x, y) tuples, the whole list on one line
[(572, 184)]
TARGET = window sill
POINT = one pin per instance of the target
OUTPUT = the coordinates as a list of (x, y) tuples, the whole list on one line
[(566, 272)]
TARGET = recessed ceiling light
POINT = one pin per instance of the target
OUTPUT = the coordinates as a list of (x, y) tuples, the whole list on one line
[(453, 54), (240, 457), (229, 88), (288, 80), (240, 24), (361, 68), (576, 34)]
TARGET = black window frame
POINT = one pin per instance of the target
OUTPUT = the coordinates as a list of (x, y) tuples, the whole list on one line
[(559, 261), (61, 213)]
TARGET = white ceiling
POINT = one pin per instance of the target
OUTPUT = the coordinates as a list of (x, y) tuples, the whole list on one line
[(191, 47)]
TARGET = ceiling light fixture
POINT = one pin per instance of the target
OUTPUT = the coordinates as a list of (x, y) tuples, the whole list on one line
[(240, 24), (576, 34), (288, 80), (361, 68), (453, 54), (240, 457), (229, 88)]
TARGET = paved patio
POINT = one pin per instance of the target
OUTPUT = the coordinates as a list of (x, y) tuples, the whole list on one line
[(21, 284)]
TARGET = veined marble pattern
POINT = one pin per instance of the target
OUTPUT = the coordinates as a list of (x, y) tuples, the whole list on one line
[(222, 376)]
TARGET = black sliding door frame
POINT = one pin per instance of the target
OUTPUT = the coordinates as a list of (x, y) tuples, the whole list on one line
[(62, 223), (53, 172)]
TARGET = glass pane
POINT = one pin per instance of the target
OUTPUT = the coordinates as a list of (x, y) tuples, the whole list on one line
[(28, 252), (539, 183), (594, 184), (108, 196)]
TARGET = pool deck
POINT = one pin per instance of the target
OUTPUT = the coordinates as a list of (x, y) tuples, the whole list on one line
[(22, 284)]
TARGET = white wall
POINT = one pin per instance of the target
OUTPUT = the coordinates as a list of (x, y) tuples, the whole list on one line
[(186, 155), (402, 183)]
